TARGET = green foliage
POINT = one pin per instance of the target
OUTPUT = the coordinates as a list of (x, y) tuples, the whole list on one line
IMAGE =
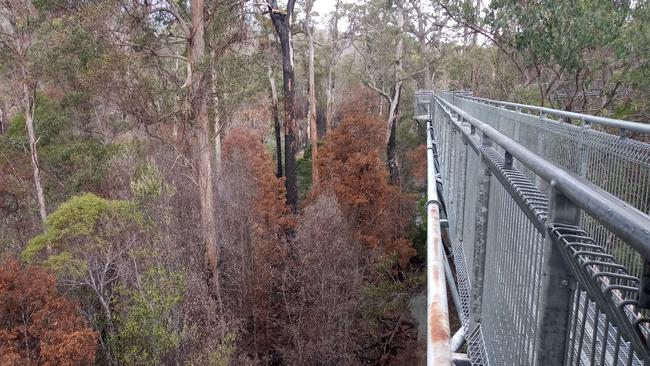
[(148, 183), (70, 51), (409, 137), (72, 163), (64, 264), (381, 299), (15, 138), (557, 31), (145, 322), (79, 165), (16, 126), (419, 238), (50, 119), (304, 171), (79, 220), (225, 351)]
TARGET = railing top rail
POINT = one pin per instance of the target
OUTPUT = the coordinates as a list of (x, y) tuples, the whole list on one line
[(622, 219), (595, 120)]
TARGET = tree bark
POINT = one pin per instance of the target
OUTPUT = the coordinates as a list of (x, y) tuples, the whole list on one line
[(276, 122), (393, 112), (282, 22), (334, 54), (218, 127), (3, 116), (328, 98), (313, 129), (204, 155), (22, 42), (28, 110)]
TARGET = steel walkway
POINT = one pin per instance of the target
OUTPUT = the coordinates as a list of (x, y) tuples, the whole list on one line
[(538, 227)]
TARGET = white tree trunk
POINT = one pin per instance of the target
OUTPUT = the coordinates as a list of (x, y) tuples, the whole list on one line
[(311, 116), (393, 111), (205, 148), (328, 96), (28, 109), (218, 128), (277, 129)]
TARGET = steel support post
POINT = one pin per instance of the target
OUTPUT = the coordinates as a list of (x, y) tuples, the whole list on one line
[(462, 192), (556, 288), (480, 234), (453, 289), (644, 288), (517, 133), (584, 151), (541, 146)]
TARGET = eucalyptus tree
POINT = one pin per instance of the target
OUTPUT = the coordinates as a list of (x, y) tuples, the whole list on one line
[(426, 22), (311, 115), (380, 33), (338, 42), (283, 22), (277, 128), (166, 52), (565, 48), (184, 27), (19, 24)]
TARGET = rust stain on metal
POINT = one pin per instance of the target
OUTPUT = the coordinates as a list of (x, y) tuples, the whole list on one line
[(433, 211), (435, 276), (437, 330), (436, 265)]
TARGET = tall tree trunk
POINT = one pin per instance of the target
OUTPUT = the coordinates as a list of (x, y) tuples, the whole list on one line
[(334, 54), (28, 109), (3, 116), (282, 23), (313, 129), (391, 138), (204, 158), (276, 122), (218, 127), (393, 112), (328, 95)]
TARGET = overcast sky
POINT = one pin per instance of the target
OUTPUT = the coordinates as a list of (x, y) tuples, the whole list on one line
[(323, 7)]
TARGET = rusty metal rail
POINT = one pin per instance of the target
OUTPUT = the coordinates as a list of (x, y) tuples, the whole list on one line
[(438, 347)]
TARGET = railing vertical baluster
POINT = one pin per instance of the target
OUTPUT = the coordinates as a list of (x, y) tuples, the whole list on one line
[(557, 287), (541, 147), (462, 191), (584, 150), (480, 234)]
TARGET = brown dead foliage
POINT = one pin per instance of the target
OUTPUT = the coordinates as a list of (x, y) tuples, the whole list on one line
[(321, 288), (416, 163), (351, 167), (255, 218), (37, 325)]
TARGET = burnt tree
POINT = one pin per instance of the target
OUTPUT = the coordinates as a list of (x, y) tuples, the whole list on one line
[(282, 21)]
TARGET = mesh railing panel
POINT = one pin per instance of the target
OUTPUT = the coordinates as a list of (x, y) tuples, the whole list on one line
[(518, 203), (620, 166), (510, 295)]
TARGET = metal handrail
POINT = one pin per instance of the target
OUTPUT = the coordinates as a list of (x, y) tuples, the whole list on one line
[(438, 346), (594, 120), (622, 219)]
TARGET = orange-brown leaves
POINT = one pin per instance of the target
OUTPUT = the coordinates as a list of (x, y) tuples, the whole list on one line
[(351, 167), (255, 218), (416, 161), (245, 157), (37, 325)]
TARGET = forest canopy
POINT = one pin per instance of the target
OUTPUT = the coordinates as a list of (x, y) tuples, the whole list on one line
[(237, 182)]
